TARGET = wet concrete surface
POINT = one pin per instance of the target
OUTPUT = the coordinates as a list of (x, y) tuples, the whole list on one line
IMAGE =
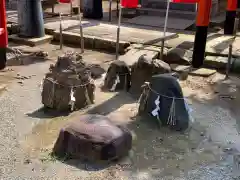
[(205, 151)]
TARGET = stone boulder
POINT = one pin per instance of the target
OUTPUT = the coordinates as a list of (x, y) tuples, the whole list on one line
[(143, 70), (162, 99), (94, 138), (117, 77), (68, 85), (178, 56)]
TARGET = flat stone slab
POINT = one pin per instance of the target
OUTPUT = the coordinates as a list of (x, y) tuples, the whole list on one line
[(184, 41), (30, 41), (216, 62), (50, 27), (203, 72), (133, 54), (217, 43), (156, 21), (109, 31), (92, 41), (180, 68)]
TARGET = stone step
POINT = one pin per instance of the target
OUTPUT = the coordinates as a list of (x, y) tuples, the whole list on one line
[(162, 4), (172, 13)]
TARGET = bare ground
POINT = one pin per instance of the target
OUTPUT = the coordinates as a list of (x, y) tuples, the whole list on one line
[(205, 151)]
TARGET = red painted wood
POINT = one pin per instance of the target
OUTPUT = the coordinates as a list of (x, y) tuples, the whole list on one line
[(232, 5), (129, 3), (64, 1), (3, 25), (204, 11)]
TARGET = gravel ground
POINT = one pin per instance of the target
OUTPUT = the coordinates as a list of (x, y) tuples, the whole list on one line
[(204, 152)]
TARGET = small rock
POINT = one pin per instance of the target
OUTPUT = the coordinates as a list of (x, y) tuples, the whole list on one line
[(203, 72), (160, 139), (27, 161), (41, 54), (133, 55), (117, 77), (143, 70), (178, 56), (227, 149), (202, 134), (25, 77)]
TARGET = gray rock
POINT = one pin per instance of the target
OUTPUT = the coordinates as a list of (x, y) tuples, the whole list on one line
[(117, 77), (162, 66), (178, 56), (143, 70), (133, 55)]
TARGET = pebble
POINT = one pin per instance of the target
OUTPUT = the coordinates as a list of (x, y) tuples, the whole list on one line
[(27, 161), (227, 149)]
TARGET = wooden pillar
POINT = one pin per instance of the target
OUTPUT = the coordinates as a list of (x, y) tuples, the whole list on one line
[(3, 34), (202, 22), (230, 17)]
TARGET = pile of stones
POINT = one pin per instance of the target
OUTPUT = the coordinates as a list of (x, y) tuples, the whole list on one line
[(122, 77), (68, 85)]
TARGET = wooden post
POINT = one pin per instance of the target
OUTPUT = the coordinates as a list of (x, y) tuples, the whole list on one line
[(229, 60), (3, 35), (230, 17), (60, 29)]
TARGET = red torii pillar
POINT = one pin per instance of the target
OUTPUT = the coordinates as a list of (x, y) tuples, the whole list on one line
[(3, 35), (202, 22), (230, 16)]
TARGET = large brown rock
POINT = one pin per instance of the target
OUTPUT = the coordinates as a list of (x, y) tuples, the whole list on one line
[(68, 85), (143, 70), (93, 137)]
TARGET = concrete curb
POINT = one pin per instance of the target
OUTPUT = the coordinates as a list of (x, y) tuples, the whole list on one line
[(25, 60), (30, 41), (92, 42)]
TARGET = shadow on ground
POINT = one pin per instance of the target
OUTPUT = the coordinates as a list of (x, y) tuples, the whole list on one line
[(112, 104), (46, 113)]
